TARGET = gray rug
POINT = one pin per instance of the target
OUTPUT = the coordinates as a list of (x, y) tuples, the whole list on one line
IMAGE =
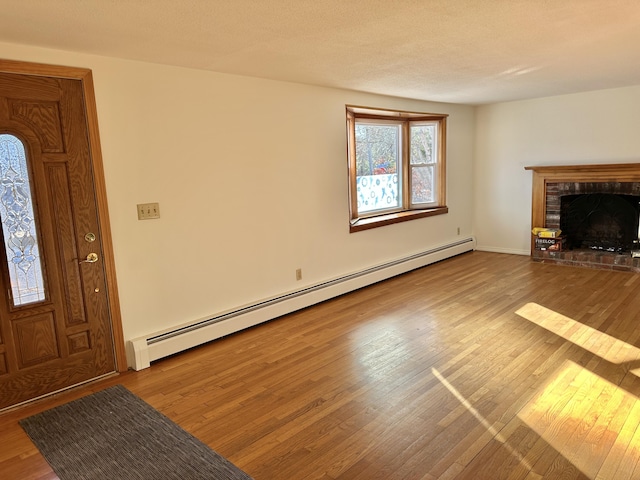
[(113, 434)]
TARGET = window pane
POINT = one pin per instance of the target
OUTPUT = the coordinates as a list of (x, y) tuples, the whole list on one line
[(377, 192), (423, 144), (18, 225), (422, 185), (377, 157)]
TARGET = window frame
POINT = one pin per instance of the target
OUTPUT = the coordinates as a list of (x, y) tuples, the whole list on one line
[(407, 210)]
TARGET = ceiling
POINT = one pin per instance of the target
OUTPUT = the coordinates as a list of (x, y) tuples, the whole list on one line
[(461, 51)]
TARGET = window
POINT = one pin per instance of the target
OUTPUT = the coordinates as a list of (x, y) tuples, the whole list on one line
[(396, 166), (18, 223)]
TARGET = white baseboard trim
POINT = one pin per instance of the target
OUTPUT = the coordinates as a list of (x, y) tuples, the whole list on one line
[(144, 350), (511, 251)]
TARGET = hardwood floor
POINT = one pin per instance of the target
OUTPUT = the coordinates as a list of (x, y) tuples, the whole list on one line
[(483, 366)]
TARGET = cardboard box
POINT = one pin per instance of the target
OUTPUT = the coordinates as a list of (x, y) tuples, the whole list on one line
[(549, 233), (549, 244), (543, 232)]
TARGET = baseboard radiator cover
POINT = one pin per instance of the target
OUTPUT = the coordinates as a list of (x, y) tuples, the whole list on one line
[(144, 350)]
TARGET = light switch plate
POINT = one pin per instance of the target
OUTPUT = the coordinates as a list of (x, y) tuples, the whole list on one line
[(148, 211)]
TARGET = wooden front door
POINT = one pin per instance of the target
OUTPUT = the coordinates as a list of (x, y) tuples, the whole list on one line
[(55, 313)]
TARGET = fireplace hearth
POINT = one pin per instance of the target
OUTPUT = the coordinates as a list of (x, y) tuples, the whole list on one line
[(597, 207)]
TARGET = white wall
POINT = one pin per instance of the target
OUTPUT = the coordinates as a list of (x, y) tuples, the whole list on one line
[(585, 128), (251, 179)]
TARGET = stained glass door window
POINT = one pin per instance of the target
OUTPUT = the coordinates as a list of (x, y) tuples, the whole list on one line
[(18, 223)]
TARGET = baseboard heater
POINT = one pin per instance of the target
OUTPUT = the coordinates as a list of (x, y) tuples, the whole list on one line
[(144, 350)]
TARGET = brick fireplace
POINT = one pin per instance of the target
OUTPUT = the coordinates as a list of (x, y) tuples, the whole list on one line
[(610, 194)]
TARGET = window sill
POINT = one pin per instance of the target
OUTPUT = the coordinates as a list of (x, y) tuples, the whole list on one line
[(382, 220)]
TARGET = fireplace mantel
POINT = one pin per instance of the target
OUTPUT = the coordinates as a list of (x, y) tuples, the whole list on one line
[(621, 173)]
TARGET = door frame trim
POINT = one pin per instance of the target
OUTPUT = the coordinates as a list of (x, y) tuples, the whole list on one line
[(86, 78)]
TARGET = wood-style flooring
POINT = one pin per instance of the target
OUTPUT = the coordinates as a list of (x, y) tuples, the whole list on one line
[(483, 366)]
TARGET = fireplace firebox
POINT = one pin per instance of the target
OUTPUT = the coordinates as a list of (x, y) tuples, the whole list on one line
[(605, 222)]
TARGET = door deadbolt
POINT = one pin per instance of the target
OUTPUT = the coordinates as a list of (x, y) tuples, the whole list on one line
[(90, 237)]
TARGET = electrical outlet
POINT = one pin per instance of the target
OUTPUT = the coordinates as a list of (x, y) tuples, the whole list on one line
[(148, 211), (298, 274)]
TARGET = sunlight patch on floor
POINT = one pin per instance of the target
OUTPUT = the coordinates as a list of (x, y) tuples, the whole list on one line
[(483, 421), (599, 343), (590, 421)]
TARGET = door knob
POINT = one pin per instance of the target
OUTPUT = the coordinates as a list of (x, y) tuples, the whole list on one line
[(91, 258)]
